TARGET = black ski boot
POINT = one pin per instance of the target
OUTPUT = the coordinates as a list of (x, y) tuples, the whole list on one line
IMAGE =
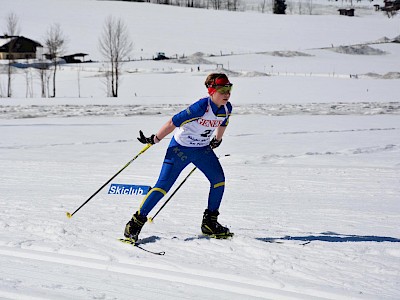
[(212, 228), (134, 226)]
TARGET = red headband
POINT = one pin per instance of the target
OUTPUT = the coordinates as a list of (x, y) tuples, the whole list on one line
[(219, 81)]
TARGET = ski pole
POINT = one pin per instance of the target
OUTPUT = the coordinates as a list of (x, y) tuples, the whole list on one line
[(69, 215), (169, 198), (174, 192)]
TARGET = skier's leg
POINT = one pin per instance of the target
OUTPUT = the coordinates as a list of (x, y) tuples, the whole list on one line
[(171, 168), (211, 167), (173, 164), (209, 164)]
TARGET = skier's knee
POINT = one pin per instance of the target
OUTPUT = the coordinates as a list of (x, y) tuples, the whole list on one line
[(218, 184)]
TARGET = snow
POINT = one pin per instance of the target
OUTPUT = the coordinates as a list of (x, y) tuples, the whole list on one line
[(313, 175)]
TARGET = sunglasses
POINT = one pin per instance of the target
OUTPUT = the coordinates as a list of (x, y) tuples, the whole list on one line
[(223, 89)]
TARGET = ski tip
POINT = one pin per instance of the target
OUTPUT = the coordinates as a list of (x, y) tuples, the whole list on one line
[(137, 245), (69, 216)]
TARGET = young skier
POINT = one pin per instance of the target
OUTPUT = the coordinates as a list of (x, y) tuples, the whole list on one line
[(191, 144)]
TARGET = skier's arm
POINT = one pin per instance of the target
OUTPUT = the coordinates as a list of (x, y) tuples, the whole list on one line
[(217, 139), (220, 132), (166, 129)]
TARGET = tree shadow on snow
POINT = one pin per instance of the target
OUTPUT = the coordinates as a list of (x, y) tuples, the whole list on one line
[(332, 237)]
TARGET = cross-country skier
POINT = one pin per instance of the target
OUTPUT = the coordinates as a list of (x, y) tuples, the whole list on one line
[(192, 143)]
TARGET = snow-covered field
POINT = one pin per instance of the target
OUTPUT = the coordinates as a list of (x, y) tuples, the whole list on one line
[(313, 176)]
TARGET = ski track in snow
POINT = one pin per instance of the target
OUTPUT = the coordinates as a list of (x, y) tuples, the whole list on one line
[(38, 111), (64, 144), (230, 284)]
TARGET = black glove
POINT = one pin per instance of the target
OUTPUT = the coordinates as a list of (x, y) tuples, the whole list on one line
[(215, 143), (146, 140)]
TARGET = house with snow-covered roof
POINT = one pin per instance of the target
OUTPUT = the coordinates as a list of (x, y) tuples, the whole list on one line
[(18, 47)]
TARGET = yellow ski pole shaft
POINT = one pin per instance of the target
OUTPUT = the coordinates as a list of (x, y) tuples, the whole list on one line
[(69, 215)]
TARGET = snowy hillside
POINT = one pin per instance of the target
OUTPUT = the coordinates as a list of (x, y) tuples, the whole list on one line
[(272, 57), (313, 172)]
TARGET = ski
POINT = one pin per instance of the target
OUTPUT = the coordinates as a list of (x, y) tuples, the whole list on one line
[(133, 243), (283, 241), (219, 237)]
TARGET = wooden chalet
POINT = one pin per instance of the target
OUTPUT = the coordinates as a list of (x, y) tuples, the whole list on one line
[(74, 58), (17, 47), (346, 12), (391, 6)]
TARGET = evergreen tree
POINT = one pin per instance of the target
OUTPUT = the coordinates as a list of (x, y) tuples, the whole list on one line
[(279, 7)]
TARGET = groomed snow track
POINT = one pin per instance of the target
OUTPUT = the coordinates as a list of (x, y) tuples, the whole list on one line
[(228, 286)]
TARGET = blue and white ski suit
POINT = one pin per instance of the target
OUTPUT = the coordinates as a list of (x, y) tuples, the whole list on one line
[(191, 144)]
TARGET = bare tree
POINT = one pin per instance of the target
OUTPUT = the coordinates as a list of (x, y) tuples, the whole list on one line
[(79, 69), (115, 45), (310, 6), (44, 76), (12, 24), (290, 6), (1, 90), (300, 6), (233, 5), (29, 83), (263, 6), (216, 4), (12, 29), (55, 42)]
